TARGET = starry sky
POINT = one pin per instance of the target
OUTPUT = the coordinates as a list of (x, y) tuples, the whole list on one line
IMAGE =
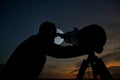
[(20, 19)]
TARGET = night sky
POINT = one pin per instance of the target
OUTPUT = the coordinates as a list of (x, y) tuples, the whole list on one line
[(20, 19)]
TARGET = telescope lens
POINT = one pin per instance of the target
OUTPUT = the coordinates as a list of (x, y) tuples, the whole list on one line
[(58, 39)]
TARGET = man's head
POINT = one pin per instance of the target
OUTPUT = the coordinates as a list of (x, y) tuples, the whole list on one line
[(47, 30)]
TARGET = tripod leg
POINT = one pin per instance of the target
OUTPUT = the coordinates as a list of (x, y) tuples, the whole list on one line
[(94, 69), (82, 70), (103, 71)]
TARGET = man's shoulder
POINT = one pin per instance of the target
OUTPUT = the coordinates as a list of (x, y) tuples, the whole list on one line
[(28, 40), (31, 38)]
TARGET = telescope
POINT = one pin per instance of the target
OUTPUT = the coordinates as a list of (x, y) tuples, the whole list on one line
[(91, 37)]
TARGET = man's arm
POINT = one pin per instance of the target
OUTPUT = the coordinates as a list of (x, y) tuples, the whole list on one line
[(66, 51)]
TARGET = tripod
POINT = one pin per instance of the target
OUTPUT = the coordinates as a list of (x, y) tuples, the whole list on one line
[(99, 69)]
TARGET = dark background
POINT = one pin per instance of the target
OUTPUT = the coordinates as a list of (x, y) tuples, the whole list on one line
[(20, 19)]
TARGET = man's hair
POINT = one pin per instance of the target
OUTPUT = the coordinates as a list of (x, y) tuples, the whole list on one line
[(46, 27)]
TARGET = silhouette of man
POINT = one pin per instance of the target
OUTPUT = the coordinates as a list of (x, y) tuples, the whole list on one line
[(28, 59)]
